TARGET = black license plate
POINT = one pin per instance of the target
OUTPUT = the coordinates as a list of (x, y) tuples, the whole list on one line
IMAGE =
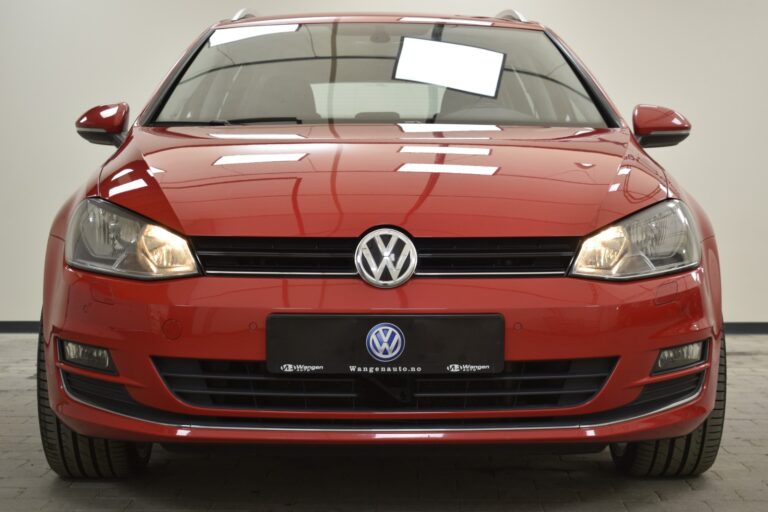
[(385, 344)]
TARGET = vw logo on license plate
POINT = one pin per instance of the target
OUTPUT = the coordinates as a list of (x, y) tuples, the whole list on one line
[(385, 342)]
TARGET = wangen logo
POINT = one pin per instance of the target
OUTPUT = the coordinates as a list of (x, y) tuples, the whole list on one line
[(385, 342), (386, 258)]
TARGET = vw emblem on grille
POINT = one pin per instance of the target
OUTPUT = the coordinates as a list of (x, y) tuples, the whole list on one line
[(385, 342), (386, 258)]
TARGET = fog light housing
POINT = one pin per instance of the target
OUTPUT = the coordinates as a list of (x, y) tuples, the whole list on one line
[(675, 358), (87, 356)]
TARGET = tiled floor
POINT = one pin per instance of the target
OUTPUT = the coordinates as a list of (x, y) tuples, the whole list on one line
[(403, 480)]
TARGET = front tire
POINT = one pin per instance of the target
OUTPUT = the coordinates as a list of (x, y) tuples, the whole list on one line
[(683, 456), (73, 455)]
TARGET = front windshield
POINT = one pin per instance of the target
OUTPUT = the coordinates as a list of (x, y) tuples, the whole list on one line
[(379, 73)]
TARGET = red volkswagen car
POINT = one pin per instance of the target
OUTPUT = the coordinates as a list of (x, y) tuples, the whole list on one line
[(381, 229)]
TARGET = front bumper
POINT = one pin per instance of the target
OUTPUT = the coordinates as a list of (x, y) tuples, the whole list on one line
[(224, 318)]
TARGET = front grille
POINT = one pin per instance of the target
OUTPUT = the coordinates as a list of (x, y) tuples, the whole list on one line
[(115, 398), (248, 385), (335, 256)]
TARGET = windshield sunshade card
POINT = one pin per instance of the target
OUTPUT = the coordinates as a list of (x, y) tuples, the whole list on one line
[(455, 66)]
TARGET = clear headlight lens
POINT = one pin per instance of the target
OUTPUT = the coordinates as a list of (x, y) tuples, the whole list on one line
[(105, 238), (657, 240)]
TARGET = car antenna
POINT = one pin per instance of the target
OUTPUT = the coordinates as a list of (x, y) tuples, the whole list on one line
[(511, 14), (242, 14)]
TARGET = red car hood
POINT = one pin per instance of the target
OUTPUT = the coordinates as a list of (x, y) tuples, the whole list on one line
[(343, 180)]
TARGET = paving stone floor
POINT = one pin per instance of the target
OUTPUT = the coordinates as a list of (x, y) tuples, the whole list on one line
[(391, 479)]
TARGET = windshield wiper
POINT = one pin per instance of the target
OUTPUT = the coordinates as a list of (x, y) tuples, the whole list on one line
[(230, 122), (256, 120), (212, 122)]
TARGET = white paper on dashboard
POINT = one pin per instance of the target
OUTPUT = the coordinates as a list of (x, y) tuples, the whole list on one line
[(455, 66)]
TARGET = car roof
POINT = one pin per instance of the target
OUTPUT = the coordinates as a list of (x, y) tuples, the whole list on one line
[(488, 21)]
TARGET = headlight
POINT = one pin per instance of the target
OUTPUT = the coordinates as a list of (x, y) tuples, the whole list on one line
[(655, 241), (105, 238)]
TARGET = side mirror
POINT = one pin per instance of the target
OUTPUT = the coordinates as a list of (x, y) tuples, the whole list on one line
[(105, 124), (658, 127)]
